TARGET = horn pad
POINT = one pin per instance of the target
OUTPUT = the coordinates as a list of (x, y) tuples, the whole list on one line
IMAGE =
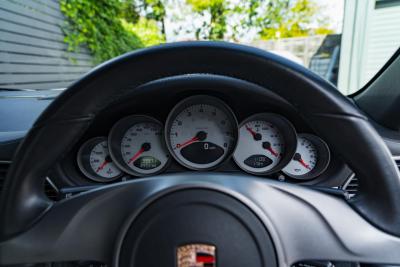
[(208, 228)]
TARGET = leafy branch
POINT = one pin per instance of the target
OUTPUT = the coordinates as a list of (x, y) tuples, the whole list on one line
[(99, 25)]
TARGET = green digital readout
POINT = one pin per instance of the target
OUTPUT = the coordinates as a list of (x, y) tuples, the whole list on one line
[(147, 163)]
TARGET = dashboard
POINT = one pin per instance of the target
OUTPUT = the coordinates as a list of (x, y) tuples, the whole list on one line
[(200, 123)]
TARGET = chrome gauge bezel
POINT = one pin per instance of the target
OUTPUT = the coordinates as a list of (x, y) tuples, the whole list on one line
[(288, 133), (323, 160), (208, 100), (84, 165), (115, 139)]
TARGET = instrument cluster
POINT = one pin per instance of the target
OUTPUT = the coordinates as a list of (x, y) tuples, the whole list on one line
[(201, 133)]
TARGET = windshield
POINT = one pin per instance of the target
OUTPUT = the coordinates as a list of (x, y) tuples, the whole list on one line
[(48, 44)]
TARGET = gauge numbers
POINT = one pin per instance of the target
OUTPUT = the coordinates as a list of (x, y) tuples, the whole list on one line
[(201, 132), (137, 145), (261, 146), (95, 162), (311, 158), (305, 158), (142, 148), (265, 143)]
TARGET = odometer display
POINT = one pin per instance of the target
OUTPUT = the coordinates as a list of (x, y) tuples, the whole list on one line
[(201, 132)]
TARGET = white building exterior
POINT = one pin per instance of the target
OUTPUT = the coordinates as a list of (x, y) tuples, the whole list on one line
[(371, 35)]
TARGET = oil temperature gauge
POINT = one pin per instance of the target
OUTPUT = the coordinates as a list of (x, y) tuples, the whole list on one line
[(95, 162), (266, 143), (311, 158)]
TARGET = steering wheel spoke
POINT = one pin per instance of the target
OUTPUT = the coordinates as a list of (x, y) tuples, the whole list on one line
[(81, 228), (304, 224), (310, 225)]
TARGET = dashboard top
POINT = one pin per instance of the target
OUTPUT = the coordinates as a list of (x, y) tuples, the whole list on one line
[(156, 100)]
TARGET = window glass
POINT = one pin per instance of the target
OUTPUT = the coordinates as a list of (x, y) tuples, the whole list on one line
[(48, 44)]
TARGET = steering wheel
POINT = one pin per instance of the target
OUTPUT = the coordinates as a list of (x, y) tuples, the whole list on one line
[(239, 220)]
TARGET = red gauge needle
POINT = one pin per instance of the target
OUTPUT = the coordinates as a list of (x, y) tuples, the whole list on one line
[(188, 142), (267, 146), (256, 136), (143, 148), (297, 157), (200, 136), (105, 162)]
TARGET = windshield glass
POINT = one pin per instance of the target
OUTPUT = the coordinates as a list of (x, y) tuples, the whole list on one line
[(48, 44)]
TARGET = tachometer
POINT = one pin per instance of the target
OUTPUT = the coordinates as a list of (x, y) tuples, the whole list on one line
[(95, 162), (201, 132), (266, 143), (137, 145), (311, 158)]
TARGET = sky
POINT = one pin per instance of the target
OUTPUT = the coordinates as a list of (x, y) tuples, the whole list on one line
[(333, 9)]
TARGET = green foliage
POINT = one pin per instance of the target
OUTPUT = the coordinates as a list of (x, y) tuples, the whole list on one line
[(285, 18), (147, 29), (97, 23), (152, 10), (112, 27), (216, 27), (270, 18)]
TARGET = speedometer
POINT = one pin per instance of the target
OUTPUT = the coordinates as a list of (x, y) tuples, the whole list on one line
[(201, 132), (137, 145)]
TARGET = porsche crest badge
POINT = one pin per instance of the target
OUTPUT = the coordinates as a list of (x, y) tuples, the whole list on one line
[(196, 255)]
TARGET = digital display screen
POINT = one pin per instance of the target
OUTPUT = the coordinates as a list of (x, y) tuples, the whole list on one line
[(258, 161), (147, 163)]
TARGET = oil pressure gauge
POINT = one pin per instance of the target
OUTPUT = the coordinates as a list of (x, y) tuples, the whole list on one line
[(311, 158)]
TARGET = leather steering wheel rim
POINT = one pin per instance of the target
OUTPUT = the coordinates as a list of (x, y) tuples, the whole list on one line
[(326, 110)]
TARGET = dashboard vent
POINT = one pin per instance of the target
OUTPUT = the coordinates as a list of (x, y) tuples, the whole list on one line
[(49, 189), (3, 172), (397, 160), (351, 185)]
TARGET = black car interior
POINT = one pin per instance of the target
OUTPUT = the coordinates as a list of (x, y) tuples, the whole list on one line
[(271, 218)]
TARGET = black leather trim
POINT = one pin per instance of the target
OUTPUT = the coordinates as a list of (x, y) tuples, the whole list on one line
[(330, 114)]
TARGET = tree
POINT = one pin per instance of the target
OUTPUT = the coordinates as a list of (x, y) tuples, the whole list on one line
[(147, 29), (284, 18), (97, 24), (271, 19), (216, 26), (149, 9)]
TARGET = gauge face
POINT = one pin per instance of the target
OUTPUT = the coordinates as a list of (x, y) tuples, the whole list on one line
[(305, 158), (95, 162), (137, 145), (265, 141), (201, 132), (311, 158)]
